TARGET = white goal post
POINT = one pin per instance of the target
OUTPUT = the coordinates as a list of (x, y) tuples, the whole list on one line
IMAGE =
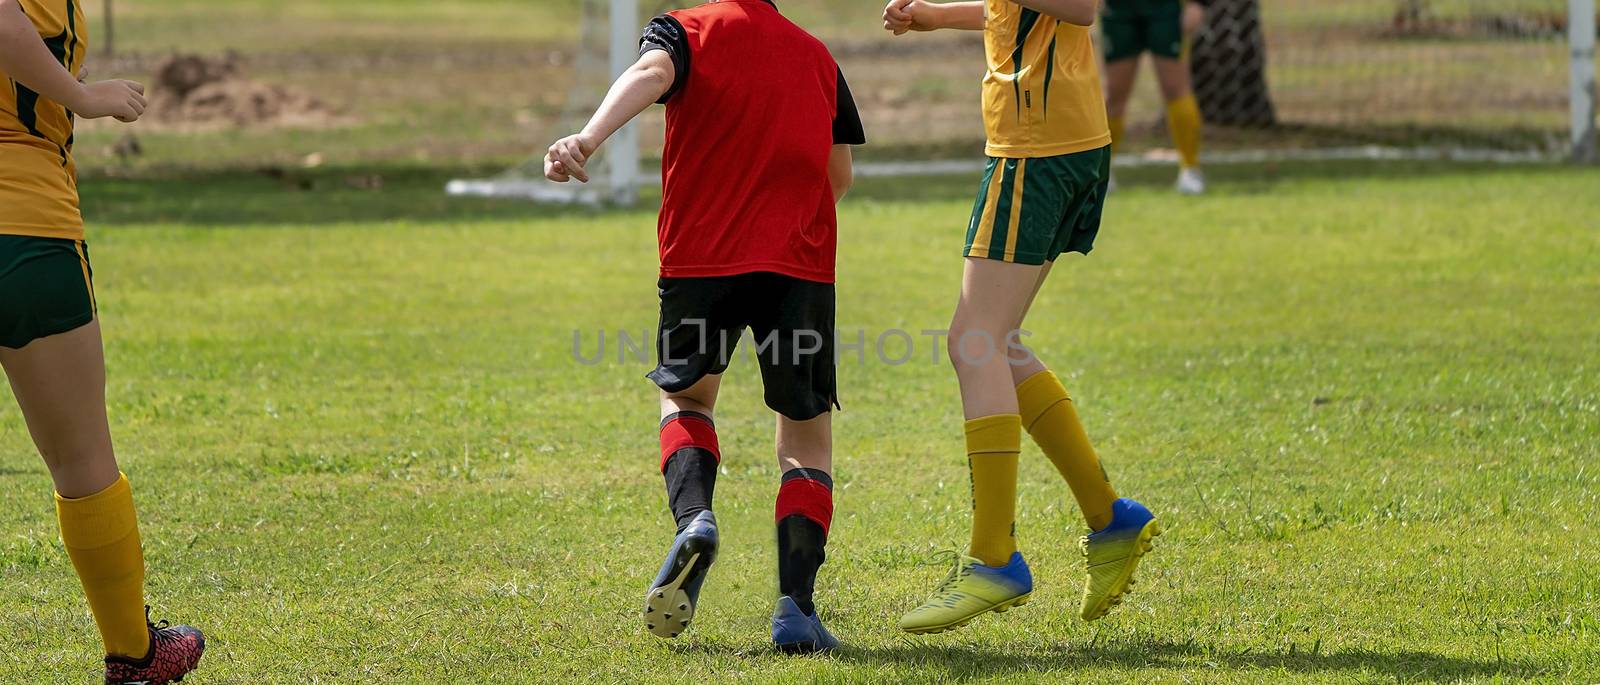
[(1581, 29), (615, 176), (623, 158)]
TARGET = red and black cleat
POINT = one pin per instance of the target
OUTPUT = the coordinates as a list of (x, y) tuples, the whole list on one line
[(174, 652)]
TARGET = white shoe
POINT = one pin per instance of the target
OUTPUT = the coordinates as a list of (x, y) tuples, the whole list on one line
[(1191, 181)]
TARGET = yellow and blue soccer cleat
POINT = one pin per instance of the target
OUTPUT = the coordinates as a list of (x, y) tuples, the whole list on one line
[(676, 591), (970, 590), (1112, 554)]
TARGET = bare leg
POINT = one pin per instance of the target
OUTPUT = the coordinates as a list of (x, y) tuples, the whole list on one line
[(803, 513), (1024, 363), (60, 384), (1059, 432), (1183, 120), (1120, 78), (805, 444), (994, 297), (689, 461), (1173, 75), (700, 397)]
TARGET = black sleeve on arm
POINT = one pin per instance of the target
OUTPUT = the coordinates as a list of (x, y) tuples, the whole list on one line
[(666, 34), (847, 128)]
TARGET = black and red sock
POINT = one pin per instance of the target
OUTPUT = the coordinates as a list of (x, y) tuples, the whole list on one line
[(689, 459), (804, 512)]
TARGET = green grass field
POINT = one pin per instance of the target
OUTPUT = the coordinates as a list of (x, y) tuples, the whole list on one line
[(1363, 398)]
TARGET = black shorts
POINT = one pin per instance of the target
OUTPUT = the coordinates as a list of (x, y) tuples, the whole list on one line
[(791, 322), (46, 288)]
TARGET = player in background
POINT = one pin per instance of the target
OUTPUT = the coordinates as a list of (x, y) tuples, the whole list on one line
[(1049, 160), (50, 337), (1128, 29), (759, 124)]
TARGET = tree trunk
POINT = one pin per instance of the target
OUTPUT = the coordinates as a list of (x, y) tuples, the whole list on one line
[(1229, 66)]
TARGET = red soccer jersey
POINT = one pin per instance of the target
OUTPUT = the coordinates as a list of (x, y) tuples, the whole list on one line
[(752, 118)]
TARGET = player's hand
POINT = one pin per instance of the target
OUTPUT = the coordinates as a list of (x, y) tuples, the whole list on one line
[(1194, 18), (566, 159), (900, 16), (115, 98)]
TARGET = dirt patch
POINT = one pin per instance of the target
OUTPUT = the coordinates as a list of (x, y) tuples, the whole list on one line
[(206, 92)]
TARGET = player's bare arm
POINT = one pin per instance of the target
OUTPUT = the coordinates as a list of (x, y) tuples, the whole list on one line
[(900, 16), (25, 58), (841, 171), (639, 87), (1079, 12)]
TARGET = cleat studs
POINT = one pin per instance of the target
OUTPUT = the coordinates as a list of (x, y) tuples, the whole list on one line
[(673, 635), (683, 607), (667, 616), (650, 626)]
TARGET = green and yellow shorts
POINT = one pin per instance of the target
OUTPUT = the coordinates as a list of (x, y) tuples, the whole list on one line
[(1129, 28), (46, 288), (1030, 211)]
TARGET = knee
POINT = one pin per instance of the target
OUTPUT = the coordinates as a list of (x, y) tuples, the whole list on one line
[(952, 345), (971, 347), (1176, 88), (685, 402), (805, 444)]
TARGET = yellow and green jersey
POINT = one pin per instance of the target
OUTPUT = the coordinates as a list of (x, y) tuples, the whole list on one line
[(38, 178), (1041, 95)]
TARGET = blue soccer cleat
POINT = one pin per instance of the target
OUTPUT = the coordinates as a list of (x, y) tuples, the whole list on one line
[(671, 602), (1112, 554), (793, 632)]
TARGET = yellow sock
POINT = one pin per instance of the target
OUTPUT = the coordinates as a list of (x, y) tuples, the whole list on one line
[(993, 443), (1052, 420), (1183, 120), (101, 533), (1119, 128)]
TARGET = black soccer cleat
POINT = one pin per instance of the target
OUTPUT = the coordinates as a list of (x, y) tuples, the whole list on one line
[(673, 596)]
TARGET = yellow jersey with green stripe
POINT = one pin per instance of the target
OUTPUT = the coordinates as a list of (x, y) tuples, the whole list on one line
[(38, 178), (1041, 95)]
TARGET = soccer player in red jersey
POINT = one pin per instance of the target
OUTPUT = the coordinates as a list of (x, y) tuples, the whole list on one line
[(759, 124)]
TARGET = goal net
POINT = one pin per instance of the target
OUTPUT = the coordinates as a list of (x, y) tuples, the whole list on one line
[(1489, 75), (1466, 79)]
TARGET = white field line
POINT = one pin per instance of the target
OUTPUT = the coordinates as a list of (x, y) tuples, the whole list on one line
[(1169, 157), (540, 190)]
